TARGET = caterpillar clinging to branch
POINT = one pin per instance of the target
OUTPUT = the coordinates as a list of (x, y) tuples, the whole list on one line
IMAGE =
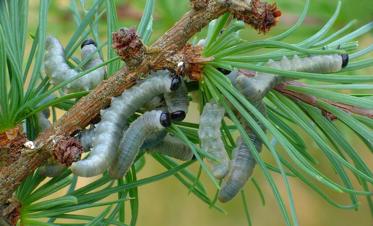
[(114, 120), (57, 69), (258, 85), (134, 137), (210, 138)]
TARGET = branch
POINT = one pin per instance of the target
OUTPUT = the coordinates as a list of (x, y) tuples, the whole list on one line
[(81, 114), (312, 100)]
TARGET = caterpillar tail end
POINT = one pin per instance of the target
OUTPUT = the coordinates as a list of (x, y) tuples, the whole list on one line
[(223, 197), (220, 172), (228, 192)]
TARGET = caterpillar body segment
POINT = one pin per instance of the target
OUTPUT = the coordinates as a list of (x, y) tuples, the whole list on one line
[(154, 139), (173, 147), (86, 138), (210, 138), (134, 137)]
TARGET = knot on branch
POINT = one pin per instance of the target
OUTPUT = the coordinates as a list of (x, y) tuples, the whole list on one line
[(188, 62), (67, 151), (260, 15), (128, 45), (199, 4)]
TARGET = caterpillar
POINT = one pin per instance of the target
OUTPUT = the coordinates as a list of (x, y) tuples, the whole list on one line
[(114, 120), (57, 69), (256, 87), (242, 163), (210, 138), (134, 137), (173, 147)]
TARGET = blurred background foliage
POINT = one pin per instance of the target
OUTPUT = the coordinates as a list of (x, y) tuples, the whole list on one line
[(167, 202)]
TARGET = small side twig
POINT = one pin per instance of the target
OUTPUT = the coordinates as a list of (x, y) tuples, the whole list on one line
[(312, 100)]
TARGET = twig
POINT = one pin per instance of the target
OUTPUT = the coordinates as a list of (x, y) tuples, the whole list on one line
[(312, 100)]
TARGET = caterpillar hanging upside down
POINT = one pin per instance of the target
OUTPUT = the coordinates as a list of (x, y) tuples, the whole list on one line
[(58, 70), (210, 138), (254, 88), (112, 132)]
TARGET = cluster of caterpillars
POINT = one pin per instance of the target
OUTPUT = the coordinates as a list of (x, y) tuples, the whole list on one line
[(254, 87), (115, 142)]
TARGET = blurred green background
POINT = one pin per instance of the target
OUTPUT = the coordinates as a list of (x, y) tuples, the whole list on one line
[(168, 203)]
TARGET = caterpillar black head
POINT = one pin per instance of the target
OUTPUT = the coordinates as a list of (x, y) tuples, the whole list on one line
[(175, 83), (178, 116), (345, 59), (165, 119), (88, 42)]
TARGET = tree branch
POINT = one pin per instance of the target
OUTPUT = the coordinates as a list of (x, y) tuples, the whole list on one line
[(312, 100), (81, 114)]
